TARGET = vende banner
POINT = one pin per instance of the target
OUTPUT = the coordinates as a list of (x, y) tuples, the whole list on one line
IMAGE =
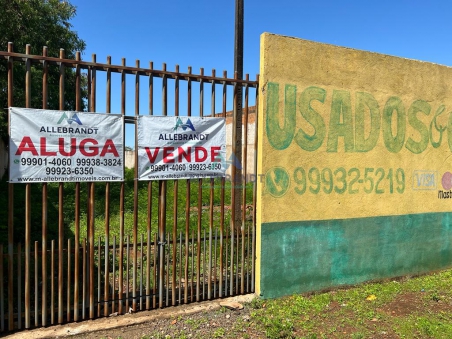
[(181, 147), (57, 146)]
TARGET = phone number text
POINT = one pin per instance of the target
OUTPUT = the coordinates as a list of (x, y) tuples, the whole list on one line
[(352, 181)]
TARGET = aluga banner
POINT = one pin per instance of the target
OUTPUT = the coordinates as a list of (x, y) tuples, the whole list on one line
[(181, 147), (64, 146)]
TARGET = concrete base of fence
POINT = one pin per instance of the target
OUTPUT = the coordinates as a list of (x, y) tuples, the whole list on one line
[(103, 324)]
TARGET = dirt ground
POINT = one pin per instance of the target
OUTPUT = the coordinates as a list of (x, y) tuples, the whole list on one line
[(198, 320)]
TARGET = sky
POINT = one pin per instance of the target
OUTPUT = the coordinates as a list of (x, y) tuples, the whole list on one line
[(200, 33)]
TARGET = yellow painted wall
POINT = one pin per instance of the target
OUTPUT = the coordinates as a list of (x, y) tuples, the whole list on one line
[(350, 134)]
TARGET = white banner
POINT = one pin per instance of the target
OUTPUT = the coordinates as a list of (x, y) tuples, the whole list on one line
[(181, 147), (64, 146)]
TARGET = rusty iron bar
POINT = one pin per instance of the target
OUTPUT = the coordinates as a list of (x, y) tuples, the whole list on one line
[(209, 270), (222, 196), (108, 87), (154, 286), (121, 204), (216, 266), (167, 249), (187, 203), (10, 207), (253, 242), (149, 204), (135, 192), (236, 175), (84, 278), (68, 297), (61, 205), (198, 243), (19, 286), (52, 282), (99, 270), (107, 206), (91, 201), (211, 204), (209, 281), (120, 68), (107, 253), (180, 268), (36, 292), (148, 257), (175, 200), (127, 273), (45, 73), (113, 282), (192, 264), (27, 202), (78, 101), (174, 252), (187, 231), (162, 202), (234, 181), (245, 172), (141, 273), (226, 291), (203, 281), (90, 267), (248, 259)]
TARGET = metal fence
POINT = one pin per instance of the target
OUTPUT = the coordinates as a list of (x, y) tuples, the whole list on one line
[(78, 251)]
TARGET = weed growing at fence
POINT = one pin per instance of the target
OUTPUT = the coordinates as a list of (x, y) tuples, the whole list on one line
[(145, 189)]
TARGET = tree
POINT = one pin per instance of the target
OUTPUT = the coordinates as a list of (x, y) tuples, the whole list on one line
[(38, 23)]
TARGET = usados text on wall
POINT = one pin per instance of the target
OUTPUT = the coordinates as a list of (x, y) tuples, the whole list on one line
[(357, 151)]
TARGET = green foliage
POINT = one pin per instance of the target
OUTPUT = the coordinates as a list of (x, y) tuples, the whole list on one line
[(145, 189), (38, 23)]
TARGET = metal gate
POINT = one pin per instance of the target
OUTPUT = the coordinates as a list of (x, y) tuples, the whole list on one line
[(75, 251)]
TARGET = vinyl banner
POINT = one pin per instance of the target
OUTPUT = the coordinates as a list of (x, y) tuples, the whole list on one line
[(181, 147), (64, 146)]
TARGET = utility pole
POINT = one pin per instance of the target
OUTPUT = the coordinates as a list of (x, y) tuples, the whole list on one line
[(237, 118)]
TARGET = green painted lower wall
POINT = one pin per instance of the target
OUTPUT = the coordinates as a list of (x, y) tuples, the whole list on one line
[(306, 256)]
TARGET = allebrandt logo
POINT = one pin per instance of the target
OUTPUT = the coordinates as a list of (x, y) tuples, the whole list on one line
[(73, 118), (184, 127)]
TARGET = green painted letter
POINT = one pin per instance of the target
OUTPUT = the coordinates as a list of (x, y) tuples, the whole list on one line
[(366, 101), (394, 144), (280, 138), (341, 122), (304, 140), (449, 131), (418, 146)]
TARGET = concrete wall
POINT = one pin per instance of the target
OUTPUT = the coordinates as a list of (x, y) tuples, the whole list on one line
[(356, 152), (129, 159)]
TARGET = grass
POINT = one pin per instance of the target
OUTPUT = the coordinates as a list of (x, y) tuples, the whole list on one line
[(408, 308)]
